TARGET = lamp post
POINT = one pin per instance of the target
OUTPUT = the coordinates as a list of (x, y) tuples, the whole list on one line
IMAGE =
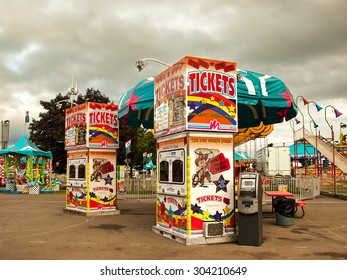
[(315, 125), (333, 169), (303, 125), (297, 106), (292, 125), (5, 133), (59, 103), (140, 64), (72, 94), (308, 110), (342, 126)]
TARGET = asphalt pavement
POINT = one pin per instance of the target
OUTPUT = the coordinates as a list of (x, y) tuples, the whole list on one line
[(36, 227)]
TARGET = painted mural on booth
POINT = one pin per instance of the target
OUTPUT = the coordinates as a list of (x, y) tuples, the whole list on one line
[(91, 181), (103, 181), (212, 193)]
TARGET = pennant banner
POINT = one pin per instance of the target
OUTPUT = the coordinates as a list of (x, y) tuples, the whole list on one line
[(128, 147), (27, 118)]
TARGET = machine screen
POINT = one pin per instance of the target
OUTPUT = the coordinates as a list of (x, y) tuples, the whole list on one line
[(248, 188)]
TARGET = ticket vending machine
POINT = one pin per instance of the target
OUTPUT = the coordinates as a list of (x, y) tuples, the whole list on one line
[(250, 209)]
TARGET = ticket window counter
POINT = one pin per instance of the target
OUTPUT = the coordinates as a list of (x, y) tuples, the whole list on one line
[(77, 172)]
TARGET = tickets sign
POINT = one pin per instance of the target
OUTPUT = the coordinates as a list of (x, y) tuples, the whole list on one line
[(196, 94), (93, 125)]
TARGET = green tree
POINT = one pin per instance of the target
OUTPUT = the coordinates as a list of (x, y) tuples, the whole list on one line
[(48, 132), (142, 140)]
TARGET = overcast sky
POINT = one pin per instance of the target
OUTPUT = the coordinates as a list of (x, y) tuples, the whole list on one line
[(44, 43)]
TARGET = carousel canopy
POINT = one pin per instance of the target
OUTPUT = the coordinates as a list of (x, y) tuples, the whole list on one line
[(25, 147), (261, 100)]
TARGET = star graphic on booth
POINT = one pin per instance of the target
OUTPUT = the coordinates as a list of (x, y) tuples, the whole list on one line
[(206, 214), (92, 194), (227, 221), (231, 109), (108, 180), (196, 209), (218, 216), (221, 184), (226, 210)]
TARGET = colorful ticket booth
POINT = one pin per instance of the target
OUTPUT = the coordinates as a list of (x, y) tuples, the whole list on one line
[(194, 124), (91, 141)]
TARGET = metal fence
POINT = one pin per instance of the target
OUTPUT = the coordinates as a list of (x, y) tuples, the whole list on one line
[(137, 188), (333, 184), (303, 187)]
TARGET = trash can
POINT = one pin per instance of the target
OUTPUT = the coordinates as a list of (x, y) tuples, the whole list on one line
[(285, 210)]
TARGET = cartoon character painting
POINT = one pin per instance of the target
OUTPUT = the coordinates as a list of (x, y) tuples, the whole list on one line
[(203, 173), (97, 174)]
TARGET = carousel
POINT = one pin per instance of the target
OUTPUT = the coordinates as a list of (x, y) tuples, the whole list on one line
[(25, 168)]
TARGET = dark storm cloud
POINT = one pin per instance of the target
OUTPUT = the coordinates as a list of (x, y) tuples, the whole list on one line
[(45, 43)]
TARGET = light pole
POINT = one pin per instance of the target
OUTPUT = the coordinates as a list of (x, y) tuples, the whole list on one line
[(333, 169), (342, 126), (59, 103), (140, 64), (5, 133), (72, 94), (292, 125), (303, 125), (297, 106), (315, 125)]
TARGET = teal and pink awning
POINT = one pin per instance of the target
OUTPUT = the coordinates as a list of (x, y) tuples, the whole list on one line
[(260, 99)]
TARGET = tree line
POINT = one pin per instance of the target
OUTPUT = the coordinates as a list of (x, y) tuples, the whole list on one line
[(48, 132)]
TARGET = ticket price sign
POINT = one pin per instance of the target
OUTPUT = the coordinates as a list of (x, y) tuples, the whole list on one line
[(91, 141)]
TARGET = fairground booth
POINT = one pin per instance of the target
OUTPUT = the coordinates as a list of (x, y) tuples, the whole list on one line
[(91, 141), (201, 110), (25, 168), (195, 119)]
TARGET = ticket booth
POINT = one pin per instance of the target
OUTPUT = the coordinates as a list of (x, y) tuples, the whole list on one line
[(91, 141), (195, 120)]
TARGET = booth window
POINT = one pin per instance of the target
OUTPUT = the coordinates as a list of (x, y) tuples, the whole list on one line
[(164, 171), (81, 171), (177, 171), (72, 172)]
